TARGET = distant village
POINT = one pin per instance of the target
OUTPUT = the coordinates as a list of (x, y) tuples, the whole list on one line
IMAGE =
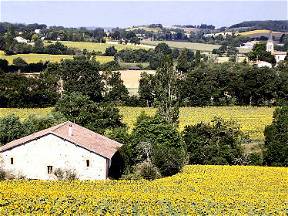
[(240, 40)]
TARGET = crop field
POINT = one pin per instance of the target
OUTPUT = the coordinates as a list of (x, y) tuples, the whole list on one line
[(251, 119), (131, 79), (222, 59), (99, 47), (261, 32), (198, 190), (181, 45), (34, 57)]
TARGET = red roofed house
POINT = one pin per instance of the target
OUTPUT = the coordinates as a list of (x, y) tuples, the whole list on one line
[(66, 146)]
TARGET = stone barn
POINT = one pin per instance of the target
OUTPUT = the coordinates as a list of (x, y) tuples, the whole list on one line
[(66, 146)]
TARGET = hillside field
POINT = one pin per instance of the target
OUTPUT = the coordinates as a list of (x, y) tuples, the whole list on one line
[(197, 190), (251, 119), (34, 57), (99, 47), (181, 45), (261, 32)]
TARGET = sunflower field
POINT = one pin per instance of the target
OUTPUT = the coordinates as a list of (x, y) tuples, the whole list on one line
[(251, 119), (197, 190)]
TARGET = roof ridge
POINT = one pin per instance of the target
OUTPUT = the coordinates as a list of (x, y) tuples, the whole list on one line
[(55, 127)]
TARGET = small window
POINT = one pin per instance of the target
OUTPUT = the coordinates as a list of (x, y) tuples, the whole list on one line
[(50, 169), (87, 163), (12, 160)]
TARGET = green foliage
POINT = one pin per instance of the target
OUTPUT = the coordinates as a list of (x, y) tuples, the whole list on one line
[(216, 143), (146, 88), (3, 66), (82, 110), (255, 159), (58, 49), (274, 25), (2, 174), (20, 91), (276, 136), (166, 91), (80, 74), (10, 128), (132, 56), (151, 139), (233, 83), (259, 53), (35, 123), (120, 135), (110, 51), (185, 60), (169, 159), (19, 62), (115, 90), (163, 48), (147, 171), (110, 66)]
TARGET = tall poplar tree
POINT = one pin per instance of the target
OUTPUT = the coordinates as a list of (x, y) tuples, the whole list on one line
[(166, 91)]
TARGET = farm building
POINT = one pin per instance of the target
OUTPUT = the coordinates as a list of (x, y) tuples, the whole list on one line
[(66, 146)]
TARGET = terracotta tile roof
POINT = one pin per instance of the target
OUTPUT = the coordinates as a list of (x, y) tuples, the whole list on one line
[(81, 136)]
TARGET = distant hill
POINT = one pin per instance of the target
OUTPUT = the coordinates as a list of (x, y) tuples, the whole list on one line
[(274, 25)]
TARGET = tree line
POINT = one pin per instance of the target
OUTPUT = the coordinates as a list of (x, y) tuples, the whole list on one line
[(225, 84)]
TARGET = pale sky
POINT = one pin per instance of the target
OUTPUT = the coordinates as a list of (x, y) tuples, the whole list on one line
[(125, 13)]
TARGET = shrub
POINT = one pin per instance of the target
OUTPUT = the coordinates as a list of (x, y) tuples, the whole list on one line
[(255, 159), (216, 143), (147, 170), (19, 62), (110, 51), (276, 136), (169, 160), (153, 138), (132, 176), (2, 174), (10, 128), (63, 174)]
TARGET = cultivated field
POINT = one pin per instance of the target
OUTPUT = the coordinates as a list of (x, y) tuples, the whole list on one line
[(131, 79), (223, 59), (251, 119), (34, 57), (99, 47), (181, 45), (198, 190), (261, 32)]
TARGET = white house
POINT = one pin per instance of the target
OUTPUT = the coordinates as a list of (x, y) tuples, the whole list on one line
[(66, 146), (279, 56), (20, 39), (37, 31), (249, 45), (263, 64)]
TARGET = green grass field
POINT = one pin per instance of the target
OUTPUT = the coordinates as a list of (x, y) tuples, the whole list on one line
[(34, 57), (181, 45), (251, 119), (98, 47)]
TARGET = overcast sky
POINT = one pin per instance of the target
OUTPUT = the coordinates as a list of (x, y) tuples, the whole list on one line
[(123, 14)]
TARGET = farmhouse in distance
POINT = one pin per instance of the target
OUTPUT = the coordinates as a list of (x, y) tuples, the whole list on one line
[(65, 147)]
